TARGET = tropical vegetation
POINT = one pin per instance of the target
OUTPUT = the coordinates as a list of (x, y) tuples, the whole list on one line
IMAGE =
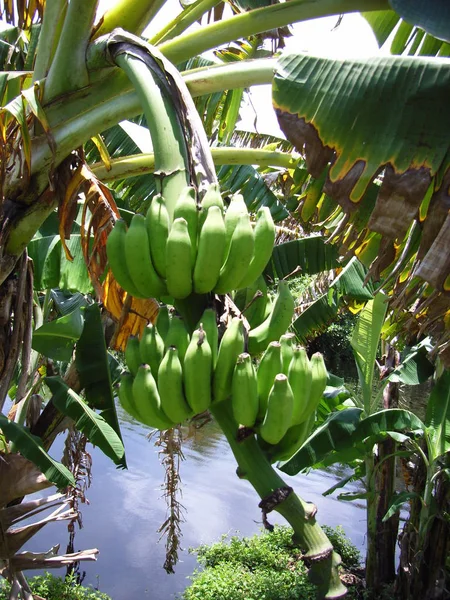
[(366, 167)]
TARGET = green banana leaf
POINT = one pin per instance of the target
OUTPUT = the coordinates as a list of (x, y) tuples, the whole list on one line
[(53, 270), (433, 17), (407, 39), (31, 448), (335, 434), (306, 256), (347, 288), (93, 367), (414, 368), (397, 501), (341, 437), (56, 339), (364, 343), (437, 417), (95, 428)]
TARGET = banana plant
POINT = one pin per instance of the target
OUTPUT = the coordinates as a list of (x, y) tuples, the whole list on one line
[(88, 76)]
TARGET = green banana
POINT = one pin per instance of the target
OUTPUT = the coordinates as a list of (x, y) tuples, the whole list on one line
[(163, 321), (126, 395), (177, 336), (147, 400), (158, 226), (270, 365), (152, 348), (244, 391), (252, 301), (209, 324), (133, 355), (170, 387), (212, 197), (319, 378), (139, 263), (278, 416), (300, 378), (287, 350), (292, 440), (178, 260), (231, 345), (264, 233), (115, 250), (239, 256), (210, 252), (186, 208), (236, 208), (197, 371), (273, 327)]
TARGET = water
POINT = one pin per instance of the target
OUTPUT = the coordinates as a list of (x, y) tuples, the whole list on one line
[(125, 510)]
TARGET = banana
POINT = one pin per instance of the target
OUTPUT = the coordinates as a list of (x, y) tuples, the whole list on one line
[(186, 208), (210, 252), (152, 348), (231, 345), (197, 371), (264, 233), (178, 260), (138, 260), (133, 355), (287, 350), (170, 387), (177, 336), (163, 321), (270, 365), (212, 197), (252, 300), (147, 400), (273, 327), (319, 378), (278, 416), (158, 226), (209, 324), (239, 256), (244, 391), (126, 395), (292, 441), (115, 250), (236, 208), (300, 378)]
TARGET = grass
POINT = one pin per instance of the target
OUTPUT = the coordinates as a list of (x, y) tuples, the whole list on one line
[(266, 566), (50, 587)]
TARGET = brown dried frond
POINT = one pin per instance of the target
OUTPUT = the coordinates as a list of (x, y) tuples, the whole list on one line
[(171, 454)]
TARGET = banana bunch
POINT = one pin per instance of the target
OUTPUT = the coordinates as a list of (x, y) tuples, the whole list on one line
[(170, 373), (279, 396), (201, 249)]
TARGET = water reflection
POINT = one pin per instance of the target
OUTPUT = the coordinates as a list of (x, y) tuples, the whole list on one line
[(125, 510)]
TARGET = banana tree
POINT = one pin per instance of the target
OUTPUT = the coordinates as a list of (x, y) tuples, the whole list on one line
[(87, 77)]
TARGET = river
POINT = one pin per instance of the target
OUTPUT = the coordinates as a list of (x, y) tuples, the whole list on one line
[(126, 509)]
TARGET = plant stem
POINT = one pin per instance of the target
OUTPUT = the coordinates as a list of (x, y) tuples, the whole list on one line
[(254, 466), (256, 21), (139, 164), (131, 15), (52, 24), (68, 70), (190, 14)]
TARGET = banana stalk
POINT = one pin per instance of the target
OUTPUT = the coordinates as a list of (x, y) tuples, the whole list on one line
[(254, 466)]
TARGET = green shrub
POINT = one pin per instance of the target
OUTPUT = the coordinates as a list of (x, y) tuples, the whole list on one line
[(263, 567), (51, 587)]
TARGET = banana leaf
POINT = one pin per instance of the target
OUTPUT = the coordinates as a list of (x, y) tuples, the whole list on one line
[(437, 417), (364, 343), (434, 16), (414, 368), (306, 256), (31, 448), (95, 428), (93, 367), (56, 339)]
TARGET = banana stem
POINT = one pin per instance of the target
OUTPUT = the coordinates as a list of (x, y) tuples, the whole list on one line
[(254, 467), (167, 136), (52, 24)]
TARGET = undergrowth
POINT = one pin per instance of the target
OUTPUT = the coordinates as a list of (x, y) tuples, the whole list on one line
[(50, 587), (266, 566)]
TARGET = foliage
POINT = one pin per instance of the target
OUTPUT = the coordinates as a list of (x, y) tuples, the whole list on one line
[(56, 588), (334, 344), (265, 566)]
